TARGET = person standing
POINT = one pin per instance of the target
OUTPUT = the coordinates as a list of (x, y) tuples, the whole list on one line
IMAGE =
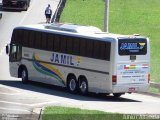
[(48, 13)]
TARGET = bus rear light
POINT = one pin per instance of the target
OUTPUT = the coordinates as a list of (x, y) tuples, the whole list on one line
[(148, 78), (114, 79)]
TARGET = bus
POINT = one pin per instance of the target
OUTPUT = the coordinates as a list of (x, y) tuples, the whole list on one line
[(16, 4), (81, 58)]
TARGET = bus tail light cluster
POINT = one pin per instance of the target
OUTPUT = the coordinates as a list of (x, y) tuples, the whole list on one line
[(114, 79), (149, 78)]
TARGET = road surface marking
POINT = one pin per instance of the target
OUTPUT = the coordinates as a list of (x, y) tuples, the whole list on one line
[(43, 103), (2, 108), (15, 103), (29, 104)]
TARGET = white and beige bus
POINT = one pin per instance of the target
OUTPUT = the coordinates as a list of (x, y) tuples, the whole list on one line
[(81, 58)]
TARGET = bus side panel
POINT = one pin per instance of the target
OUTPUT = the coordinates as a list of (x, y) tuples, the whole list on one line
[(97, 74), (39, 68), (28, 61), (47, 67), (13, 67)]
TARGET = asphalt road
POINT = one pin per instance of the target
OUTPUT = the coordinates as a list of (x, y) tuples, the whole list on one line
[(11, 100), (16, 97)]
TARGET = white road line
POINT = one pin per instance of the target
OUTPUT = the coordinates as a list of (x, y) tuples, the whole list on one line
[(29, 105), (44, 103), (28, 11), (15, 103), (2, 108)]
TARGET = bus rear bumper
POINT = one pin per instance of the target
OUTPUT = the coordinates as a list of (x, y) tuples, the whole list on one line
[(130, 88), (14, 8)]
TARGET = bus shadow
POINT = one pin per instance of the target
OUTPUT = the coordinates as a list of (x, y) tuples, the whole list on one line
[(61, 92)]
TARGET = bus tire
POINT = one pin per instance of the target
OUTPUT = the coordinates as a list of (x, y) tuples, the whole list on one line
[(117, 95), (72, 84), (24, 76), (83, 86)]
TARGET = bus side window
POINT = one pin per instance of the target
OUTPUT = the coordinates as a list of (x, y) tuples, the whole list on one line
[(89, 48), (19, 52), (31, 39), (25, 38), (50, 41), (107, 51), (102, 50), (96, 49), (56, 46), (15, 53), (44, 41), (63, 44), (69, 49), (38, 40), (82, 47), (76, 46)]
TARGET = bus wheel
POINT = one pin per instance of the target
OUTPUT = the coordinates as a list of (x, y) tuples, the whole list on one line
[(72, 84), (24, 76), (117, 95), (83, 86)]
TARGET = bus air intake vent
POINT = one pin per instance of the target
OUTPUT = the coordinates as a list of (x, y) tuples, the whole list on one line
[(72, 28)]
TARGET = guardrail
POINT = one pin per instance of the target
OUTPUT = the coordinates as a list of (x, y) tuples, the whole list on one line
[(58, 11), (155, 85)]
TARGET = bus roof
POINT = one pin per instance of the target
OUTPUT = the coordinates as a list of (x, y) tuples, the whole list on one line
[(76, 30)]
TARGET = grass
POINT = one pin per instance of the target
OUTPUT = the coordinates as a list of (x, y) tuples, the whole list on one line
[(126, 17), (84, 12), (64, 113)]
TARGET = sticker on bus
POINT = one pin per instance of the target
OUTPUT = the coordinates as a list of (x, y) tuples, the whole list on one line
[(132, 73)]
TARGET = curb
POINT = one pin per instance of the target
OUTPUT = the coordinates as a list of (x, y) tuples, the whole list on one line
[(37, 113)]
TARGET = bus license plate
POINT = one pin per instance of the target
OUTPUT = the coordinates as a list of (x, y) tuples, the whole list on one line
[(131, 89), (14, 2)]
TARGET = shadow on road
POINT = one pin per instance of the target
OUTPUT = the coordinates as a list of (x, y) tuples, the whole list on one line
[(59, 91)]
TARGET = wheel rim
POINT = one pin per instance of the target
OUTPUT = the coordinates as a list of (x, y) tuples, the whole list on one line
[(23, 75), (72, 85), (83, 87)]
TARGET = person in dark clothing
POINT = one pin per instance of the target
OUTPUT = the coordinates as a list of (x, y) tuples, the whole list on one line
[(48, 13)]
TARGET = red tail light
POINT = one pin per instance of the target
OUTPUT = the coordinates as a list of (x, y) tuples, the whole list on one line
[(149, 78), (114, 79)]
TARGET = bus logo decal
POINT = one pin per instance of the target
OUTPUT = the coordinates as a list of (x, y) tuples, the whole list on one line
[(65, 59), (142, 45), (132, 46), (47, 69)]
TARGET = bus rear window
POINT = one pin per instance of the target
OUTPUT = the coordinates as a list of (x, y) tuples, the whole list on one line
[(132, 46)]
